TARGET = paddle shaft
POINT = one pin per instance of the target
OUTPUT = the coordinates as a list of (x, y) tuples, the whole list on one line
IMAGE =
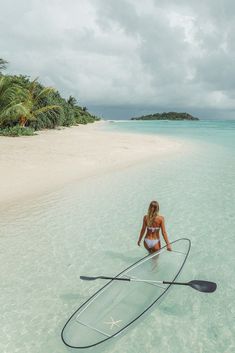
[(202, 286), (115, 278), (142, 280), (130, 280), (179, 283)]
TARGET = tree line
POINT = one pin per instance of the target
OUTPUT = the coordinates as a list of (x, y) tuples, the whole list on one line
[(27, 106), (166, 116)]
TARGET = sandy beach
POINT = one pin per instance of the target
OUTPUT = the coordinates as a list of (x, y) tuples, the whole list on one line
[(33, 165)]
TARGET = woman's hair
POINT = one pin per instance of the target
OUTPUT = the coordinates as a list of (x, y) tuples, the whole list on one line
[(152, 212)]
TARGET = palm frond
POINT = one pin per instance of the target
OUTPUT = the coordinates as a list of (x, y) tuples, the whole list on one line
[(45, 92), (46, 109), (12, 112)]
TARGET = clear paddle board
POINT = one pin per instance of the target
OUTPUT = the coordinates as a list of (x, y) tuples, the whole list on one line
[(118, 304)]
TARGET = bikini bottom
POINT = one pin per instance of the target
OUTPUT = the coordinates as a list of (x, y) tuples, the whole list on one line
[(151, 242)]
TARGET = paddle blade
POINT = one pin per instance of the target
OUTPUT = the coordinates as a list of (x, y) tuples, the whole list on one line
[(86, 278), (203, 286)]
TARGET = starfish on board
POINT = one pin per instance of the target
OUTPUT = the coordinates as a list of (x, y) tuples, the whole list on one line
[(113, 323)]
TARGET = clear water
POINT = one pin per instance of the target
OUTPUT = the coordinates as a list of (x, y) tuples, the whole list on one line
[(217, 131), (124, 300), (91, 228)]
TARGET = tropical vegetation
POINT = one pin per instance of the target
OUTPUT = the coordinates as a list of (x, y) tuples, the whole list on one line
[(166, 116), (27, 106)]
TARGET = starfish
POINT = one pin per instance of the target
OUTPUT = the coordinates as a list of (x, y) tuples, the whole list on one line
[(113, 323)]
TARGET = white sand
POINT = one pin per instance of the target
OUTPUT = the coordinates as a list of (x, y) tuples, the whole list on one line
[(33, 165)]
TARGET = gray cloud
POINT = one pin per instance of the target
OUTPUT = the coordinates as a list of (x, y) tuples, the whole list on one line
[(154, 53)]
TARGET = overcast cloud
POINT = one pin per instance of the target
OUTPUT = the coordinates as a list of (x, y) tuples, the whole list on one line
[(152, 53)]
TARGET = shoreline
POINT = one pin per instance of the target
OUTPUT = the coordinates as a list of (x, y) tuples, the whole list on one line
[(31, 166)]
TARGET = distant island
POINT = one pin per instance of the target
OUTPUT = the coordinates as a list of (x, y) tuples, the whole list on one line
[(166, 116)]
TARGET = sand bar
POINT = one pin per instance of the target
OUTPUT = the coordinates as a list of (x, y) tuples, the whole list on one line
[(34, 165)]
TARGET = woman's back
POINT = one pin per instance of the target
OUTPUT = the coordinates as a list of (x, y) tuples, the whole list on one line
[(152, 224)]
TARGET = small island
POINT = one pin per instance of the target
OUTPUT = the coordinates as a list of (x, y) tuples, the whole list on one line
[(166, 116)]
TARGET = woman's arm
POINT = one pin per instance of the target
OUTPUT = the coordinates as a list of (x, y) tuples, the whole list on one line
[(143, 229), (164, 233)]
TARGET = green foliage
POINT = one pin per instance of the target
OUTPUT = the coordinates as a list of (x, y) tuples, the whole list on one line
[(17, 130), (166, 116), (72, 101), (3, 64), (29, 104)]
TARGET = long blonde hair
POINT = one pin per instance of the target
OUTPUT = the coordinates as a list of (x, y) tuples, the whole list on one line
[(153, 211)]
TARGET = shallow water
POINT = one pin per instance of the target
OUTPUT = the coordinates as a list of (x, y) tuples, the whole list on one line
[(92, 228)]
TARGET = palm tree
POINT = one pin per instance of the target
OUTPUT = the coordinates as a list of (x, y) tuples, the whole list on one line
[(31, 106), (26, 105), (10, 95), (3, 64), (72, 101)]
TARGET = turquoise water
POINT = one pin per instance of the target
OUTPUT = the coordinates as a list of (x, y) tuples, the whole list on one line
[(213, 131), (91, 228)]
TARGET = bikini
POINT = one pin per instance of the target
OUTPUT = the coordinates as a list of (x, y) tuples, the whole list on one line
[(152, 242)]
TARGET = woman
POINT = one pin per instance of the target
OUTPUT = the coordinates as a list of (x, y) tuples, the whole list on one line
[(153, 222)]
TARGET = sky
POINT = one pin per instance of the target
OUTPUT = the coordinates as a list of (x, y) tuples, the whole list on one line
[(121, 58)]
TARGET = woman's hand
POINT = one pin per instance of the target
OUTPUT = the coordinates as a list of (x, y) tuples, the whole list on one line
[(138, 243), (168, 246)]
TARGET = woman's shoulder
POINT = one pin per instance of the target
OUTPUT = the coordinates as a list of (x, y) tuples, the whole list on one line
[(160, 217)]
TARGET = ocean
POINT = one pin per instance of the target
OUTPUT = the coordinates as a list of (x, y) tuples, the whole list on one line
[(91, 228)]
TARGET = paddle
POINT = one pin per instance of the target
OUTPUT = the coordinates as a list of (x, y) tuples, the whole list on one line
[(201, 286)]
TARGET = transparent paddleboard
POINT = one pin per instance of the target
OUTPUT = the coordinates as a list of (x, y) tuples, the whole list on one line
[(119, 304)]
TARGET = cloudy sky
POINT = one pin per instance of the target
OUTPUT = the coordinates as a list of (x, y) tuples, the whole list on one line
[(121, 57)]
